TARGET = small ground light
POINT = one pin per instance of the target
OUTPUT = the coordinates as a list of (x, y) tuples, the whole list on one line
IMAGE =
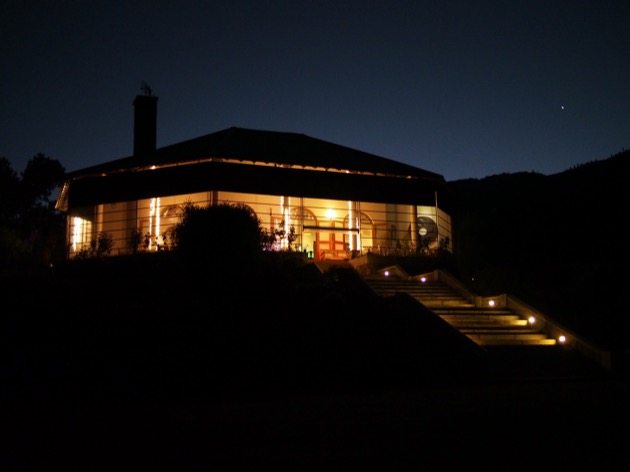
[(561, 338), (491, 303)]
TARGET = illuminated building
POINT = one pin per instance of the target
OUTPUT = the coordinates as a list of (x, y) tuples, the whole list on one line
[(339, 201)]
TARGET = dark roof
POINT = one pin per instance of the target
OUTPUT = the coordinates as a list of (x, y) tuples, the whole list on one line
[(294, 164), (270, 180), (273, 147)]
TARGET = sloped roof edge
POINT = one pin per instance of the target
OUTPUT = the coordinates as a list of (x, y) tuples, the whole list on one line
[(270, 147)]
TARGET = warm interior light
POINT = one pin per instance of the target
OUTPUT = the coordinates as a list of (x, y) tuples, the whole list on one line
[(81, 233), (330, 214), (76, 234)]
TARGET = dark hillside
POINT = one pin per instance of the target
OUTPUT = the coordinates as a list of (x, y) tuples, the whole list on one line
[(557, 242), (143, 363), (165, 329)]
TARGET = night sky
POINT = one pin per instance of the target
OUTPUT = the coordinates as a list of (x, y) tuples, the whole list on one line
[(460, 88)]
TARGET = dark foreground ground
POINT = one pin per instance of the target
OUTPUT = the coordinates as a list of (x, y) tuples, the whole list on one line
[(162, 369), (581, 425)]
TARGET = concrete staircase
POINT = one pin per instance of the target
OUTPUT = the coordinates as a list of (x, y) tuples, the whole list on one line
[(518, 340), (486, 325)]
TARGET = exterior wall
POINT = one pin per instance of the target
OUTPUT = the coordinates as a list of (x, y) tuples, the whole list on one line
[(445, 229), (323, 228)]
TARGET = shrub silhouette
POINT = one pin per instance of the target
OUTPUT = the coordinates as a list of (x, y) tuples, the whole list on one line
[(218, 232)]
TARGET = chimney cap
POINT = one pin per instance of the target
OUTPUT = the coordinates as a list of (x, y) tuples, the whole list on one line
[(146, 89)]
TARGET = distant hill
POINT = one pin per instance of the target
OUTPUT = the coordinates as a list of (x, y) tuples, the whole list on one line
[(558, 242)]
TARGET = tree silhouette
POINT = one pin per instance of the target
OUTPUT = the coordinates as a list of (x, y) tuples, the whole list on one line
[(32, 232), (40, 177)]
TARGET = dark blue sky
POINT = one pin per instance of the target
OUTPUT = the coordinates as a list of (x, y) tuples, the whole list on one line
[(460, 88)]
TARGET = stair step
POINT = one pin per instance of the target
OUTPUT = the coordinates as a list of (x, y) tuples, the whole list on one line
[(446, 303), (477, 315), (413, 286), (483, 335), (500, 330), (487, 323), (493, 341), (421, 295)]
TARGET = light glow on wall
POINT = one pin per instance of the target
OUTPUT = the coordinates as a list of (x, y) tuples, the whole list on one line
[(154, 224), (81, 233), (77, 225), (158, 222), (351, 225), (285, 207)]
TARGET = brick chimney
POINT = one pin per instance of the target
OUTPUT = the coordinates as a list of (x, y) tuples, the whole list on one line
[(144, 124)]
